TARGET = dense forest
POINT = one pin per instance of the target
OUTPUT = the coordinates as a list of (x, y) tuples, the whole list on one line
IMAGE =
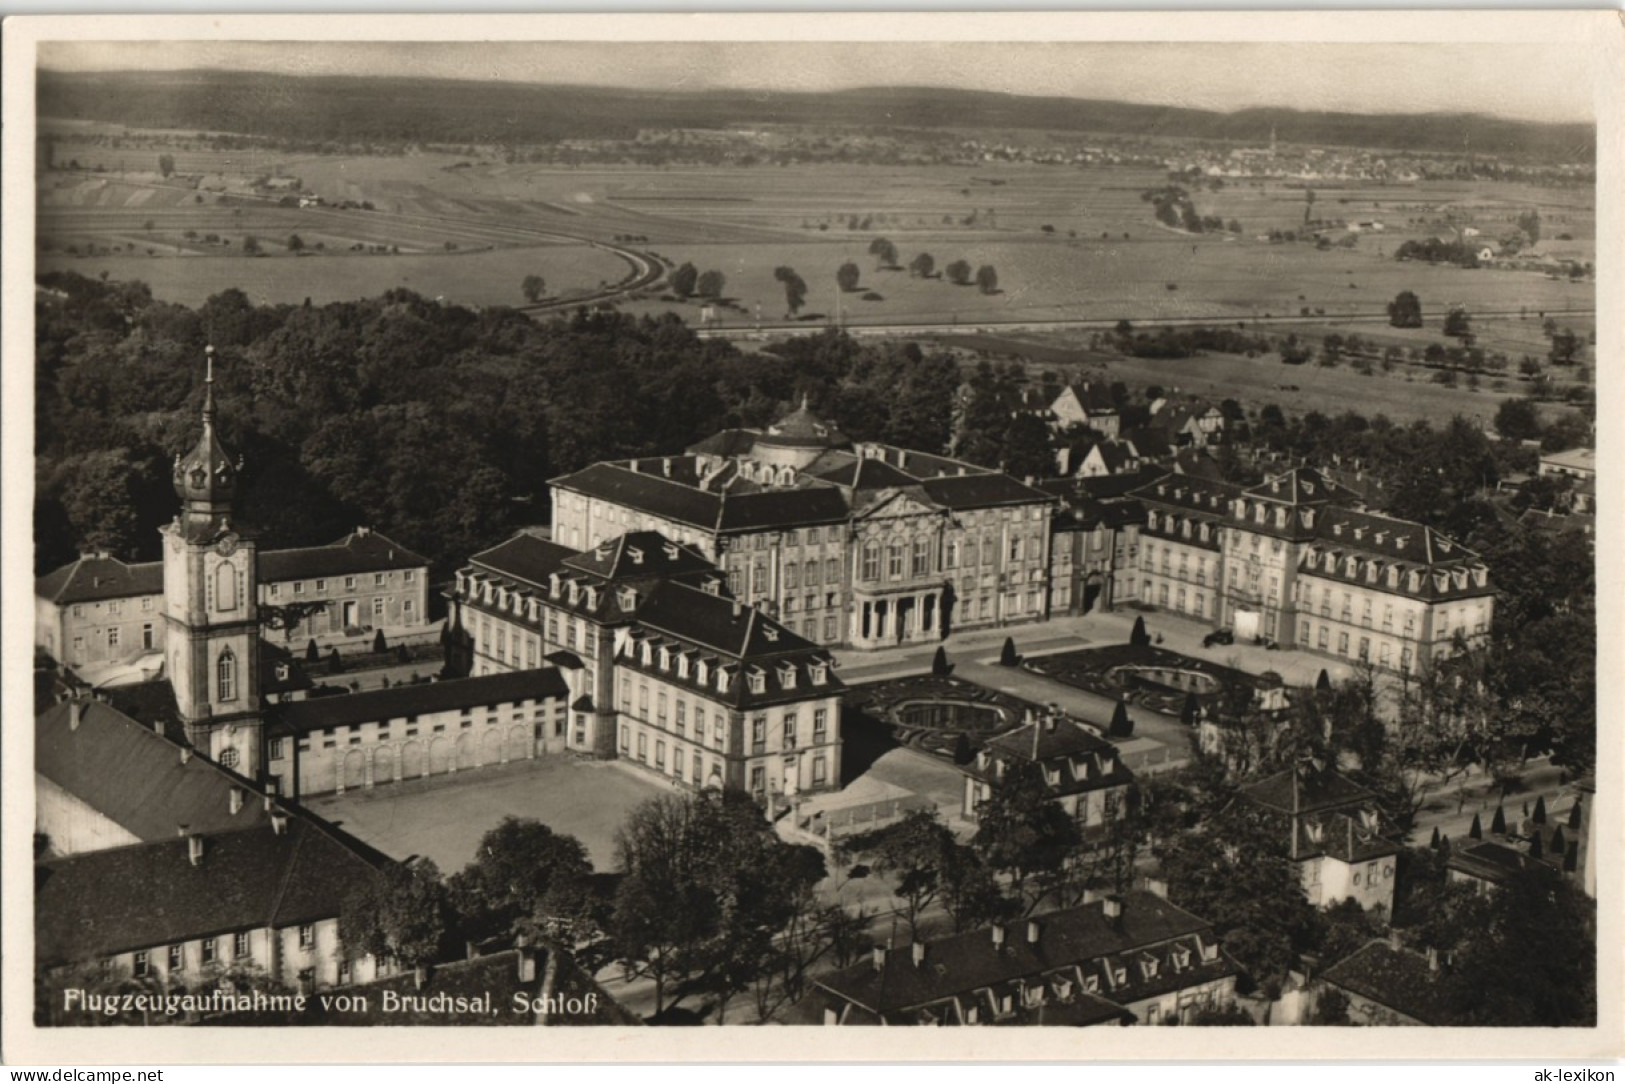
[(438, 425), (351, 110)]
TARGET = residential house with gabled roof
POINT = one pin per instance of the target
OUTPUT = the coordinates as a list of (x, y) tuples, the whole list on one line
[(1082, 771), (1189, 423), (1087, 404), (1130, 959), (1390, 986), (862, 544), (1335, 833)]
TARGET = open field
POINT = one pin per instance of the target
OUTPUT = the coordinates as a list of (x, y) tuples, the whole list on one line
[(1067, 243)]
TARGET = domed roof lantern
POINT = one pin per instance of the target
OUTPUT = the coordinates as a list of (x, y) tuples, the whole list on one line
[(206, 477), (801, 428)]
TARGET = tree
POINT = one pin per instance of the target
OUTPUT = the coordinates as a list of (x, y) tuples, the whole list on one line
[(987, 279), (884, 251), (711, 284), (1529, 223), (1027, 449), (379, 644), (166, 165), (922, 265), (1405, 310), (295, 243), (1457, 324), (1121, 725), (958, 273), (312, 653), (913, 853), (795, 290), (1565, 349), (684, 279), (533, 287), (847, 275), (1517, 419), (1531, 959), (525, 878), (404, 912), (1023, 833), (940, 666), (251, 245), (1477, 829), (1007, 654)]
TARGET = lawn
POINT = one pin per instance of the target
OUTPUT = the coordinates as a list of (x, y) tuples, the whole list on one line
[(445, 817)]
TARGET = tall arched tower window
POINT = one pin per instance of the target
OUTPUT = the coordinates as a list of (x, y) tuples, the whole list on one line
[(226, 676), (225, 587)]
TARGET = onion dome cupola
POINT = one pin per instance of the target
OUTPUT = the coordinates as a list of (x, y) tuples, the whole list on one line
[(206, 477)]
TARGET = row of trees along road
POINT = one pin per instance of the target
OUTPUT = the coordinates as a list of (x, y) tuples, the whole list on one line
[(706, 902)]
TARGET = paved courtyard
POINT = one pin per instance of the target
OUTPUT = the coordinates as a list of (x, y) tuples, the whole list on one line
[(445, 817)]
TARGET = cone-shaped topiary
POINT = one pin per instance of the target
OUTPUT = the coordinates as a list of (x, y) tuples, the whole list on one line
[(1008, 656), (939, 662), (1559, 844), (1434, 842), (1323, 683), (1540, 810), (334, 663), (1498, 823), (379, 645), (1536, 848), (1477, 830), (1122, 726), (1444, 845), (1574, 814), (1139, 637), (1571, 856), (1187, 714), (312, 652)]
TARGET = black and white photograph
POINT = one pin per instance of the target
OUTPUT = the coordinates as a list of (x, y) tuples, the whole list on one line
[(948, 521)]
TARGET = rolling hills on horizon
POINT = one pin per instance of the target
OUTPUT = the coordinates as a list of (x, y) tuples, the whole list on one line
[(361, 109)]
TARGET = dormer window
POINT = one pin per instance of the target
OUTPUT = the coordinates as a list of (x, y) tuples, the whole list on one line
[(1316, 831), (575, 592), (670, 550), (702, 672), (592, 598), (665, 658), (1091, 984), (627, 597), (819, 672), (722, 680), (1393, 575), (1259, 513), (635, 553), (771, 633), (758, 681), (682, 666), (553, 584), (1148, 966), (647, 655), (787, 676), (1181, 958)]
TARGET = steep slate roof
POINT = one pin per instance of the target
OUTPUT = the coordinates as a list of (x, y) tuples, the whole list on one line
[(1325, 809), (637, 554), (524, 557), (963, 964), (95, 905), (982, 491), (359, 551), (1085, 761), (135, 777), (1300, 790), (305, 716), (1398, 978), (647, 492), (97, 576), (1092, 397), (1495, 862)]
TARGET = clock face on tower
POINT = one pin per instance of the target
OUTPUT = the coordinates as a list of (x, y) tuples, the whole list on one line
[(227, 544)]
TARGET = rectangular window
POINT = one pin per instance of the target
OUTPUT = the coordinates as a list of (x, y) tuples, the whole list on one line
[(321, 585), (820, 721), (113, 636), (378, 579), (1365, 648), (409, 576), (699, 725), (239, 945), (789, 730), (211, 948), (298, 587), (643, 701), (307, 936), (1322, 639), (820, 771), (177, 958), (682, 718), (141, 967), (660, 754), (349, 583), (758, 732), (378, 607), (146, 636), (829, 628), (1342, 643), (278, 748), (758, 779), (660, 707), (643, 747), (922, 556), (626, 734), (792, 574), (894, 561)]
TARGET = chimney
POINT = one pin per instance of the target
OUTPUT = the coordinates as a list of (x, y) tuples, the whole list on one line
[(194, 850), (632, 464), (1393, 940), (420, 975), (1433, 960), (76, 713), (279, 822), (183, 830), (880, 957), (186, 754), (273, 787), (1157, 887), (1112, 908), (526, 964), (234, 800), (665, 466), (1032, 932), (998, 935), (739, 608), (917, 950)]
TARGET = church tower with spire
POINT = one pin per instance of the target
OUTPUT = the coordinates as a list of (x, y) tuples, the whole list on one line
[(212, 642)]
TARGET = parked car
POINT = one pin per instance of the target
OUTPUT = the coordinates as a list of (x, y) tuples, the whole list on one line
[(1218, 636)]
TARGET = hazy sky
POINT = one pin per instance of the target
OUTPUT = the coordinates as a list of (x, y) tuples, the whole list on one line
[(1532, 81)]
